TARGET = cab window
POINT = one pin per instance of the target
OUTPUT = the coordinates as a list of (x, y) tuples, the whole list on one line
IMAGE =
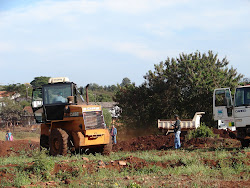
[(242, 96), (220, 98), (56, 93)]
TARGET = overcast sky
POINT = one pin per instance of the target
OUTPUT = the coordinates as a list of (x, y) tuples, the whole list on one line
[(103, 41)]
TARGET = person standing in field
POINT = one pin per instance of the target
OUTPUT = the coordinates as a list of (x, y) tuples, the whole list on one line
[(177, 131), (113, 133), (9, 136)]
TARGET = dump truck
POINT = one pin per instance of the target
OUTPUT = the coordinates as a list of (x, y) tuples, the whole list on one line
[(234, 113), (166, 127), (68, 122)]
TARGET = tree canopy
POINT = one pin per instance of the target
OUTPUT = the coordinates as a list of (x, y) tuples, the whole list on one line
[(125, 81), (182, 85), (10, 111), (39, 81)]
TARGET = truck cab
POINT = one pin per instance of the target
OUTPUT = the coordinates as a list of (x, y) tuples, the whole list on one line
[(235, 112)]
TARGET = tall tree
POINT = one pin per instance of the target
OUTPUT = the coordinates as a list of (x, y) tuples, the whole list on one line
[(10, 110), (39, 81), (125, 81), (182, 85)]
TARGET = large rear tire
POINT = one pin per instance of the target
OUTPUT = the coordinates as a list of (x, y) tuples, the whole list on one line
[(58, 142)]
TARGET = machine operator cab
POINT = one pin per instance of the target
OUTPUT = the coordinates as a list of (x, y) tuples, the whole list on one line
[(48, 102)]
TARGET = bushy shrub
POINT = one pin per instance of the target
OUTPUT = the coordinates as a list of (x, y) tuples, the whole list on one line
[(203, 131), (107, 117)]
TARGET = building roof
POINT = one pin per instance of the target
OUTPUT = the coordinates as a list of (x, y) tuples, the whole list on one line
[(28, 109), (13, 95), (5, 94)]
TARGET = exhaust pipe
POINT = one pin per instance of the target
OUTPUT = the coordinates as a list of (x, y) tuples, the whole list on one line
[(87, 95)]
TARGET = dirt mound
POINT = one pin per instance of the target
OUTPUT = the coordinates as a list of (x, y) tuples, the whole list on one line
[(156, 142), (211, 143), (145, 143), (8, 148), (225, 133)]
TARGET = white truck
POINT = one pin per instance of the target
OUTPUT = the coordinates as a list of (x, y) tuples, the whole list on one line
[(186, 124), (234, 113)]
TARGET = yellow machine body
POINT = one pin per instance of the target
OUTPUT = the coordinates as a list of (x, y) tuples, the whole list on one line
[(74, 122)]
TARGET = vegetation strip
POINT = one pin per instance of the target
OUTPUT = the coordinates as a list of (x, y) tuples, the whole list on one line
[(130, 169)]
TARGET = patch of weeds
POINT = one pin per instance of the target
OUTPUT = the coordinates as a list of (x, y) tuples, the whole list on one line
[(5, 183), (21, 178), (148, 155), (3, 169), (126, 171), (231, 166), (64, 175), (134, 185), (192, 169), (23, 152), (147, 170), (221, 154), (43, 164), (21, 167), (15, 160), (173, 155), (190, 160), (226, 173)]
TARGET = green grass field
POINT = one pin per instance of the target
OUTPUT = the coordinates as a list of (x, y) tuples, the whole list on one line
[(2, 135), (170, 168)]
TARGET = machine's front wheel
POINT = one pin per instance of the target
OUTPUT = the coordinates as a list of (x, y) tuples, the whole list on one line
[(58, 142)]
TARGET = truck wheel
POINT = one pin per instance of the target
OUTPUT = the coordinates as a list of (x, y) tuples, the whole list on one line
[(58, 142), (44, 141), (107, 148), (244, 143)]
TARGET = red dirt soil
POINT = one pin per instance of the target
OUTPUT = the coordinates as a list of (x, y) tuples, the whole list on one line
[(151, 142), (156, 142), (8, 148)]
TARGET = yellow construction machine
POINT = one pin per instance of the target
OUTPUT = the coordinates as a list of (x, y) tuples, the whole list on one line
[(68, 123)]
